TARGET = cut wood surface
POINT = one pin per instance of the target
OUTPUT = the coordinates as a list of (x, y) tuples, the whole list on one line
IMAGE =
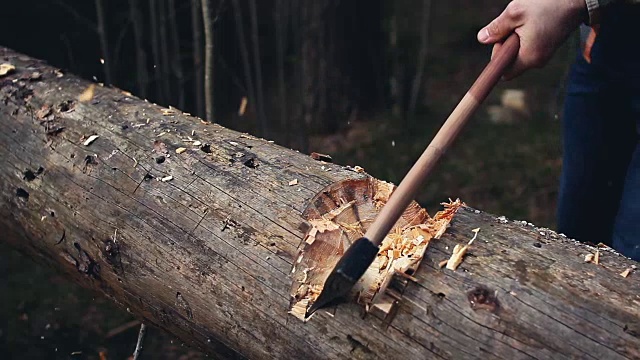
[(202, 242)]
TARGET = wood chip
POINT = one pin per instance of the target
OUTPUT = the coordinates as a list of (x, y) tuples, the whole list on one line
[(87, 94), (197, 143), (459, 252), (167, 178), (299, 309), (91, 139), (6, 68), (167, 112), (180, 150), (243, 106), (596, 258), (626, 273), (293, 182), (588, 258)]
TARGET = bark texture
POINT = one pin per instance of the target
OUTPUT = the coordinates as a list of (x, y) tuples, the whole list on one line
[(201, 242)]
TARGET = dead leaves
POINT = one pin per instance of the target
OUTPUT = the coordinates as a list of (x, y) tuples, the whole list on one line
[(45, 113), (159, 147)]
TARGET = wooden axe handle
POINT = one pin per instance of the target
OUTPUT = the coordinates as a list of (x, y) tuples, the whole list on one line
[(405, 192)]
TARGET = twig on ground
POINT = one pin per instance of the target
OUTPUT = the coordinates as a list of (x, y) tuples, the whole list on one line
[(122, 328), (138, 350)]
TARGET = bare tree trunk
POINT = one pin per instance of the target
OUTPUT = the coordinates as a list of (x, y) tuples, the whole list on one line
[(422, 57), (396, 82), (141, 56), (104, 43), (264, 125), (298, 29), (244, 52), (207, 252), (155, 49), (196, 29), (165, 67), (281, 24), (177, 53), (308, 52), (208, 67)]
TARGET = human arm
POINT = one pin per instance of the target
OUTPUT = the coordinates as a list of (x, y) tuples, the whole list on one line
[(542, 26)]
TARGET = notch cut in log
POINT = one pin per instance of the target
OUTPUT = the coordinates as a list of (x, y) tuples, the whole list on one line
[(207, 253), (342, 213)]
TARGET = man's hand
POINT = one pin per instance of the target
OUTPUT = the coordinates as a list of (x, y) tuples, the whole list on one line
[(542, 25)]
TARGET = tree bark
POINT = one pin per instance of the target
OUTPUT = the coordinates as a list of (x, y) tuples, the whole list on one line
[(208, 59), (196, 30), (176, 63), (201, 243), (257, 64), (244, 53), (156, 52), (281, 15), (104, 43), (141, 55), (416, 85), (165, 57)]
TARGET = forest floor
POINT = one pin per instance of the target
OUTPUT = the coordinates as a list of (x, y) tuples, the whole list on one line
[(509, 169)]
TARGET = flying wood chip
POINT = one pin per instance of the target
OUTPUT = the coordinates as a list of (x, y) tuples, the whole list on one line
[(88, 93), (339, 215)]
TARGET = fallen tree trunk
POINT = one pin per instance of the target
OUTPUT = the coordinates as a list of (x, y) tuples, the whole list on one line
[(201, 242)]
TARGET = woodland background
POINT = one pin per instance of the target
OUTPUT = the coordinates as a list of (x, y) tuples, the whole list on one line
[(368, 82)]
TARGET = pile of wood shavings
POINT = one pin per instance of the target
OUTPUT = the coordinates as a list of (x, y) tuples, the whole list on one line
[(400, 252)]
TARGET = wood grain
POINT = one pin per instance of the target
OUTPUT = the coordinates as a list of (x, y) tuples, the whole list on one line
[(207, 255)]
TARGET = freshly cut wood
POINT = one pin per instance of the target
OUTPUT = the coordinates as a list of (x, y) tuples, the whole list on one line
[(341, 214), (208, 255)]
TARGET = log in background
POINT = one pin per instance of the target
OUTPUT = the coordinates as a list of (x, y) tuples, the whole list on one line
[(207, 255)]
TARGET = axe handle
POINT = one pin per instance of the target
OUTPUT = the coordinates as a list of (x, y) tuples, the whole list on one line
[(406, 191)]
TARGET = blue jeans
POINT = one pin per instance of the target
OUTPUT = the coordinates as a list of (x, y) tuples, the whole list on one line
[(599, 195)]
